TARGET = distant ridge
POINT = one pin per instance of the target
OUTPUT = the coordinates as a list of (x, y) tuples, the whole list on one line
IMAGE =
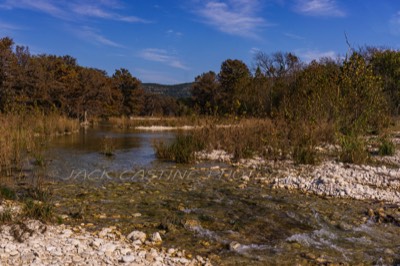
[(176, 91)]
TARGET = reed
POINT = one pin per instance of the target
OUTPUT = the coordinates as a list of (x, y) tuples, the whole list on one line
[(107, 146), (181, 150)]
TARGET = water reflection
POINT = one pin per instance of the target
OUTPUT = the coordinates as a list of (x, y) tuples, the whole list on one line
[(82, 152)]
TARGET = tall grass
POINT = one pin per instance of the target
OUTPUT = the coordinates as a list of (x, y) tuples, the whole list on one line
[(132, 122), (23, 135), (354, 150), (386, 147), (107, 146), (246, 138), (23, 138), (181, 150)]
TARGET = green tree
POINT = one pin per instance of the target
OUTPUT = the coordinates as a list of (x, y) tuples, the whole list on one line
[(314, 97), (8, 64), (281, 70), (130, 87), (362, 105), (386, 64), (234, 78), (205, 90)]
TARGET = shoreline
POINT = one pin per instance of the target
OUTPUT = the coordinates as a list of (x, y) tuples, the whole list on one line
[(35, 243), (329, 178)]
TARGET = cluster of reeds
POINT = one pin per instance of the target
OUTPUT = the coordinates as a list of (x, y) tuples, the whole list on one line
[(107, 146), (181, 150), (23, 138), (271, 139), (132, 122)]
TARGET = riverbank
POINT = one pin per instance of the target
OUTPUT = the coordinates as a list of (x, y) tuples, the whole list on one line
[(379, 181), (34, 243)]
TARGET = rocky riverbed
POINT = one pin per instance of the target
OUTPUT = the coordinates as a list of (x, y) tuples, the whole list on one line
[(34, 243), (379, 181), (247, 212)]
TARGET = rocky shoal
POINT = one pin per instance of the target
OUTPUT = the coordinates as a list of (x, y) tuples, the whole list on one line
[(34, 243), (329, 178)]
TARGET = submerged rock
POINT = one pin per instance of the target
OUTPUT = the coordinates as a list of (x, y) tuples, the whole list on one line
[(234, 246)]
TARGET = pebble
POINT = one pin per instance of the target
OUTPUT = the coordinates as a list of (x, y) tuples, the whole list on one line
[(156, 238), (137, 235), (128, 259), (234, 246)]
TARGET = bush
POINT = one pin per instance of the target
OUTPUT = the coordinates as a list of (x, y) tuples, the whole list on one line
[(181, 150), (6, 216), (353, 150), (304, 153), (7, 193), (38, 210), (387, 147)]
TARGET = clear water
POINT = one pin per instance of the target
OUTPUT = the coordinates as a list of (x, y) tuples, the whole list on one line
[(202, 211)]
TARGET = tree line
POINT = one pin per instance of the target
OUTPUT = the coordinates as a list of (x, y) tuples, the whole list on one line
[(57, 83), (355, 93)]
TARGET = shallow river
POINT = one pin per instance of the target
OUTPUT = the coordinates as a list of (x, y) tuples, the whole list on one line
[(202, 209)]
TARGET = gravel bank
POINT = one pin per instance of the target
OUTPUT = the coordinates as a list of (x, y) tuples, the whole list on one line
[(343, 180), (330, 178), (33, 243)]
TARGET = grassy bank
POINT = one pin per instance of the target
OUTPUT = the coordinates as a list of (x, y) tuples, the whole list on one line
[(23, 139), (275, 140)]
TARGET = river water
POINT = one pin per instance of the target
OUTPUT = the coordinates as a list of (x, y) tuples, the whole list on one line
[(202, 209)]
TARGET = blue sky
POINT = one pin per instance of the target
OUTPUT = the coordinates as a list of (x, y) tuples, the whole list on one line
[(174, 41)]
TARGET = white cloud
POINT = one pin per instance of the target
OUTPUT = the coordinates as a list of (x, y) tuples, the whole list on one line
[(395, 24), (45, 6), (293, 36), (162, 56), (70, 10), (174, 33), (99, 12), (235, 17), (310, 55), (7, 26), (93, 36), (254, 50), (321, 8)]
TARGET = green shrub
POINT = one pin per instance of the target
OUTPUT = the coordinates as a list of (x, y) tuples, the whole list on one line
[(7, 193), (6, 215), (353, 150), (37, 210), (387, 147), (304, 153), (181, 150)]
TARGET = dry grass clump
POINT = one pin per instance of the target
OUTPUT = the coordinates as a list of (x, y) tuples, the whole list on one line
[(246, 138), (132, 122), (181, 150), (23, 135)]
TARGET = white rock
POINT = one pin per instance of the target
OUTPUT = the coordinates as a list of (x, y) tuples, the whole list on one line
[(128, 259), (137, 235), (245, 178), (155, 237), (234, 246), (171, 251), (109, 247)]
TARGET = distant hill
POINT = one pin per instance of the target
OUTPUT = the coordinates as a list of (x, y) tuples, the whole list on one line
[(176, 91)]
